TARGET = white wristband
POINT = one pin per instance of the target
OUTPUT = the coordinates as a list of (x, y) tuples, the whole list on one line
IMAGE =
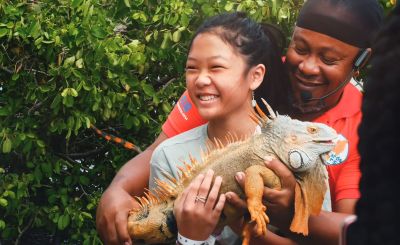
[(186, 241)]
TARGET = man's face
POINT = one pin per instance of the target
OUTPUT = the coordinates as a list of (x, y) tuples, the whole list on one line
[(317, 64)]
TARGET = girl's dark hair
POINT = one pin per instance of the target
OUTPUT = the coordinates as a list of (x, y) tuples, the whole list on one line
[(259, 44), (378, 208)]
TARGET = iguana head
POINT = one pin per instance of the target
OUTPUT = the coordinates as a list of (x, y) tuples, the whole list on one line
[(301, 145)]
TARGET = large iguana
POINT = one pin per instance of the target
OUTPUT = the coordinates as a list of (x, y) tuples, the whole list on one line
[(302, 146)]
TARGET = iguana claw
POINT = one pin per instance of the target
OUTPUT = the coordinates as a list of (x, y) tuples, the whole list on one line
[(257, 213)]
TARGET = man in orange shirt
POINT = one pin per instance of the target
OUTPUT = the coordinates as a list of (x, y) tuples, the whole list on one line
[(327, 49)]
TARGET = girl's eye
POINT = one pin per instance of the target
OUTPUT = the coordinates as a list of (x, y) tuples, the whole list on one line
[(190, 68), (217, 67)]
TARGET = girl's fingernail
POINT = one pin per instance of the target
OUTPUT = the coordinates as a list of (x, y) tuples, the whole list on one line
[(239, 176), (228, 196), (268, 159)]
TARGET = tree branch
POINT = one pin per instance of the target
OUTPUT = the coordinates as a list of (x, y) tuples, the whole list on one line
[(25, 229), (6, 70), (86, 154)]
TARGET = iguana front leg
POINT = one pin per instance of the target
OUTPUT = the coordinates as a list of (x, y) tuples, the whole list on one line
[(258, 176)]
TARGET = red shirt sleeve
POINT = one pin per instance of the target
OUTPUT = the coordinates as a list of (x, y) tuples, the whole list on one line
[(183, 117)]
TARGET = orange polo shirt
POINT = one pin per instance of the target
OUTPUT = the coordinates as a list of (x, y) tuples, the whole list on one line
[(345, 118)]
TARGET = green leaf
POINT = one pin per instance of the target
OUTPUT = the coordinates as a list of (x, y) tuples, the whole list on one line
[(99, 32), (87, 215), (10, 194), (40, 143), (4, 111), (73, 92), (7, 145), (38, 41), (148, 89), (2, 224), (63, 221), (229, 6), (68, 101), (166, 107), (87, 122), (69, 61), (76, 3), (176, 36), (30, 165), (15, 76), (3, 32), (84, 180), (79, 63), (68, 180), (3, 202), (35, 29), (166, 38), (127, 3), (56, 101)]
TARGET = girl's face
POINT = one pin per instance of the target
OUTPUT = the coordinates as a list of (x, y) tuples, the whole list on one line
[(217, 78)]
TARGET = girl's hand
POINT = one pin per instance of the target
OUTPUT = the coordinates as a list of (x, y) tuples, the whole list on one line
[(198, 209)]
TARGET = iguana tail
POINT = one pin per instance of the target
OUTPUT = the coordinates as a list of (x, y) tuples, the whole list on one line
[(109, 137)]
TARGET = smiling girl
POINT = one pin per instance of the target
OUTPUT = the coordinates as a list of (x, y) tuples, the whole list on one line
[(230, 57)]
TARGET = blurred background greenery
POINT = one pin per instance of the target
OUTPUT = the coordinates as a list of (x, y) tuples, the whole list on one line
[(65, 64)]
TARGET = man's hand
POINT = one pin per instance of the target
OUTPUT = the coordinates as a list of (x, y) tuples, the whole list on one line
[(280, 203), (112, 216)]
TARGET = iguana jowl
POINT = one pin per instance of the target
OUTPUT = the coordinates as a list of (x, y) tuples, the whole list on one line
[(302, 146)]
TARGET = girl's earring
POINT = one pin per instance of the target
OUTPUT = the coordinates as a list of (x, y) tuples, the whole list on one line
[(253, 101)]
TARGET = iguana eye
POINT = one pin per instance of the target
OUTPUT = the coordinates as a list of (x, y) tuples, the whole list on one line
[(312, 129)]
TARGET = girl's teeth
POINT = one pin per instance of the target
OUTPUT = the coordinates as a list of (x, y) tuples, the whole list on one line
[(208, 97)]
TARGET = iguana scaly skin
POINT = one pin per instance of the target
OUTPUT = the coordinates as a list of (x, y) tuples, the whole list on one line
[(300, 145)]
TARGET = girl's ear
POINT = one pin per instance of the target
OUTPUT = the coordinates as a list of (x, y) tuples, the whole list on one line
[(257, 76)]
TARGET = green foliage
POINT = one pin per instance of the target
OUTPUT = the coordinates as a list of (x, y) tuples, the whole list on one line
[(65, 64), (388, 4)]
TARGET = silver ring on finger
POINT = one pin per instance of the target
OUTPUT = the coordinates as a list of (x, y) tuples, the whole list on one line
[(200, 199)]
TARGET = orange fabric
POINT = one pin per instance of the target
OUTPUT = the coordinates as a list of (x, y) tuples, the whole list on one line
[(183, 117), (345, 118)]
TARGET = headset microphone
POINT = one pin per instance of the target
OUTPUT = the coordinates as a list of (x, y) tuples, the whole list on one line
[(362, 58)]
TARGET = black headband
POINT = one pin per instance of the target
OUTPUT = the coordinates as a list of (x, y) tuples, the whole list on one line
[(352, 21)]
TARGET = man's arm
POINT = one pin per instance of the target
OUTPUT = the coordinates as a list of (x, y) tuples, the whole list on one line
[(346, 206), (117, 200)]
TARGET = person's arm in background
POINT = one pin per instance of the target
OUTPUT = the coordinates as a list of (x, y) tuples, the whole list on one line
[(133, 177), (117, 200)]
